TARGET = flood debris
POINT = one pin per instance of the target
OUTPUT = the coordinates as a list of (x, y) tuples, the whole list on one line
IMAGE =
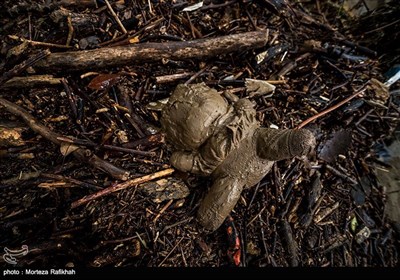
[(96, 175)]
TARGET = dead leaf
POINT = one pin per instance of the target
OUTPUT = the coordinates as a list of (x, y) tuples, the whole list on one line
[(258, 87), (122, 136), (134, 40), (67, 148), (204, 246), (252, 249), (337, 144), (380, 90), (11, 137), (104, 81), (362, 235)]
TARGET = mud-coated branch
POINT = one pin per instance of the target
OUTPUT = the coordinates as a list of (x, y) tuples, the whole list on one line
[(80, 153), (148, 52)]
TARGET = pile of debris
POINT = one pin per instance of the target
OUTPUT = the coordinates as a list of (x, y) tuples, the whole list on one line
[(85, 173)]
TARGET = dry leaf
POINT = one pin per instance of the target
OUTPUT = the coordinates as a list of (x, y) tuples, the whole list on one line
[(337, 144), (134, 40), (67, 148), (11, 137), (381, 91), (104, 81), (258, 87)]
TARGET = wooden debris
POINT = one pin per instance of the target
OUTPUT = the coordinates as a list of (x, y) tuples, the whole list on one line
[(32, 81), (84, 155), (322, 214), (121, 186), (150, 52), (311, 51), (16, 70)]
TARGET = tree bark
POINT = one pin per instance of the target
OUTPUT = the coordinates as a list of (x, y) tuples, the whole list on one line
[(150, 52)]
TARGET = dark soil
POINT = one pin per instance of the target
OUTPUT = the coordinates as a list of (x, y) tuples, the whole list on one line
[(327, 210)]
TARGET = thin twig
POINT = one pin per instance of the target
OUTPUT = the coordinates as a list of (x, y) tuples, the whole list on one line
[(173, 77), (176, 224), (37, 43), (122, 186), (334, 107), (16, 70), (70, 180), (163, 210), (166, 257), (119, 41), (116, 17), (70, 30), (341, 175), (197, 74), (382, 27), (106, 147), (183, 257), (127, 150)]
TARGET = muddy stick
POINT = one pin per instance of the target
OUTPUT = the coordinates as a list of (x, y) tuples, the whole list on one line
[(150, 52)]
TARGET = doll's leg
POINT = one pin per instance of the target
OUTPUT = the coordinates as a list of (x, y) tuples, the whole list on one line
[(219, 202)]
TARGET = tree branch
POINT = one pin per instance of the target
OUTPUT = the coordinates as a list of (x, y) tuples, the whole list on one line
[(148, 52), (80, 153)]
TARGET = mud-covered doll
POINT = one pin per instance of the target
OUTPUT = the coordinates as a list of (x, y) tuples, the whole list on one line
[(213, 138)]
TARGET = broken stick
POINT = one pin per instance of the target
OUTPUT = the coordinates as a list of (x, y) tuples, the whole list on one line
[(121, 186), (147, 52), (82, 154), (31, 81)]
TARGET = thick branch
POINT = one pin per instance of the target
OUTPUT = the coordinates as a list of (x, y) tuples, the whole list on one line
[(147, 52)]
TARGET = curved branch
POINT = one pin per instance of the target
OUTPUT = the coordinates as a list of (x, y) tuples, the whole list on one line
[(80, 153)]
